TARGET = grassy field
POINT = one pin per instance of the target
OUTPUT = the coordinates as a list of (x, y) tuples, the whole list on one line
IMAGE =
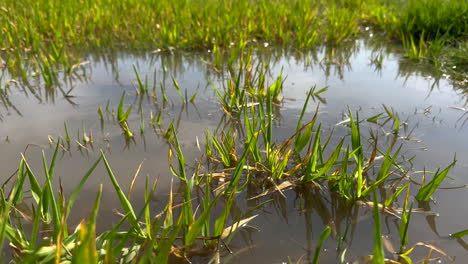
[(52, 36), (47, 39)]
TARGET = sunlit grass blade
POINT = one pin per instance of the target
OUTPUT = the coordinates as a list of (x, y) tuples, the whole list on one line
[(67, 136), (124, 202), (181, 174), (427, 190), (302, 139), (331, 161), (404, 223), (100, 114), (384, 172), (76, 191), (390, 201), (379, 255), (142, 87), (460, 234), (196, 228), (179, 92), (48, 193), (359, 154), (4, 219), (121, 115), (16, 194), (236, 175), (192, 98), (85, 252)]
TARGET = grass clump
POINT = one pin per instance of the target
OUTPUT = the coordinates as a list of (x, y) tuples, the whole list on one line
[(432, 30), (435, 19), (148, 238)]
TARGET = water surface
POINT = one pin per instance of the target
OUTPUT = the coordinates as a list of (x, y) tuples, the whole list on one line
[(286, 227)]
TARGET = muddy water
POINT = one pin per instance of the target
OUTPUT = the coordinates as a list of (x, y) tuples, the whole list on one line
[(286, 228)]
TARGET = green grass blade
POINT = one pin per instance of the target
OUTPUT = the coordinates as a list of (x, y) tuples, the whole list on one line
[(356, 136), (325, 233), (4, 220), (177, 87), (405, 220), (315, 150), (390, 201), (48, 194), (197, 226), (85, 252), (302, 139), (124, 202), (78, 188), (379, 255), (120, 111), (331, 161), (426, 191), (460, 234), (67, 136), (239, 168), (16, 193), (387, 163), (141, 86)]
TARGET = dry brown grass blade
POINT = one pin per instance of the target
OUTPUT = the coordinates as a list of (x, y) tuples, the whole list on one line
[(388, 244), (368, 259), (381, 207), (432, 247), (458, 108), (135, 176), (296, 168), (178, 253), (276, 188), (169, 205), (221, 175), (372, 157), (393, 210), (24, 211), (228, 230), (428, 257), (222, 186), (76, 66), (81, 145)]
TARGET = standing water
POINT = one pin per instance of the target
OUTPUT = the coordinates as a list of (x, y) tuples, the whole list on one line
[(432, 131)]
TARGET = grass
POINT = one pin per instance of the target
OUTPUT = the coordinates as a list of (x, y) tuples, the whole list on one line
[(430, 30), (149, 238), (122, 117), (52, 38)]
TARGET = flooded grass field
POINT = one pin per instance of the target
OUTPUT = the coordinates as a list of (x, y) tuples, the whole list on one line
[(284, 224), (302, 131)]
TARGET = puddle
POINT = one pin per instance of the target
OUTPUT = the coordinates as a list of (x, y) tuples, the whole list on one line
[(285, 227)]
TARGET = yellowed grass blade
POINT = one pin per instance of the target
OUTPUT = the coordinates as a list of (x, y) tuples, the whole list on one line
[(228, 230), (130, 188), (276, 188)]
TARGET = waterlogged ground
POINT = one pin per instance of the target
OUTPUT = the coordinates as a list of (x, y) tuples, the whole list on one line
[(433, 130)]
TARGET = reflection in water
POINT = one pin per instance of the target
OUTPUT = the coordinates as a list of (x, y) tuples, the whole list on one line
[(332, 62), (360, 75)]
